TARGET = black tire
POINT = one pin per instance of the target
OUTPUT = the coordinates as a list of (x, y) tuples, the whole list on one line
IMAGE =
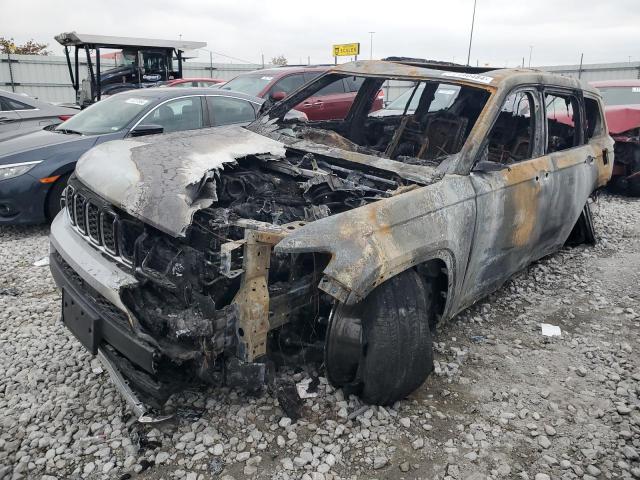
[(583, 232), (52, 206), (634, 187), (397, 350)]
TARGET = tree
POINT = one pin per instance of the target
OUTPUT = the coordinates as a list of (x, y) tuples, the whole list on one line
[(30, 48), (279, 60)]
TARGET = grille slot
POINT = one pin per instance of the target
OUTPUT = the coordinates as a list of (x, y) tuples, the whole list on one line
[(79, 202), (93, 222), (108, 222)]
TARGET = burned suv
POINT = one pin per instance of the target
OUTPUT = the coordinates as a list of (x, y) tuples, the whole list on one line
[(215, 254)]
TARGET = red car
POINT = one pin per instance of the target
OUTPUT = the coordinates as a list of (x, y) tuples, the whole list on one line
[(330, 103), (622, 110), (193, 82)]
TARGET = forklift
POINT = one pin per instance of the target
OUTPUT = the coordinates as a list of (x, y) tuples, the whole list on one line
[(141, 63)]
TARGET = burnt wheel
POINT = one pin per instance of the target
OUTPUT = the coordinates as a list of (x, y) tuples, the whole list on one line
[(381, 348), (583, 231), (52, 206), (634, 186)]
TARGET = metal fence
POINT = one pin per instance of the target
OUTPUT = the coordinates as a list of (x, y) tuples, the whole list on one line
[(598, 71), (47, 77)]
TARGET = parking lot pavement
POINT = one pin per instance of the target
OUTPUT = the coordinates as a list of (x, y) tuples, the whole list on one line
[(504, 401)]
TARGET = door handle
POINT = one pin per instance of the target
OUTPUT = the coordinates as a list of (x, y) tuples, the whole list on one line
[(319, 102), (5, 119), (590, 159)]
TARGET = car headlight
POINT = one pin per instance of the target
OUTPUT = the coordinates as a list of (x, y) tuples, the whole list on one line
[(15, 169)]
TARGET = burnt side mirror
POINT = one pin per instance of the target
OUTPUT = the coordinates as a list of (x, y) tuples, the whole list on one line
[(146, 129), (277, 96)]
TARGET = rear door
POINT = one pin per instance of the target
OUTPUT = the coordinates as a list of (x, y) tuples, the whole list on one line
[(576, 159), (512, 182), (330, 103)]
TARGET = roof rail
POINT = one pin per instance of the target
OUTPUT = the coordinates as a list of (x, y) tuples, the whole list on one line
[(301, 65), (439, 65)]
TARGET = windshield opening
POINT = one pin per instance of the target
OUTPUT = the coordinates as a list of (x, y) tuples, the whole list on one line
[(426, 121), (620, 95), (248, 84), (107, 116)]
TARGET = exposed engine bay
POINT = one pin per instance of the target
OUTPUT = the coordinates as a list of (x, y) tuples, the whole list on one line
[(184, 301)]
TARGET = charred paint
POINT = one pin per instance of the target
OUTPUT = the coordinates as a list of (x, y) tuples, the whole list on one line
[(312, 209)]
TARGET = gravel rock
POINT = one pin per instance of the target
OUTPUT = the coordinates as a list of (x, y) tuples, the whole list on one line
[(379, 462), (474, 419)]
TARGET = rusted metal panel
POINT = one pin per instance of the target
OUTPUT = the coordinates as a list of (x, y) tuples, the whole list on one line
[(370, 244)]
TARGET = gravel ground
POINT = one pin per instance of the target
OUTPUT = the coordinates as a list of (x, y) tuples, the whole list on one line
[(504, 402)]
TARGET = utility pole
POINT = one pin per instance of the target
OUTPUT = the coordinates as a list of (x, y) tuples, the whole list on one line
[(473, 20), (530, 52), (262, 61), (371, 45), (580, 69), (211, 63)]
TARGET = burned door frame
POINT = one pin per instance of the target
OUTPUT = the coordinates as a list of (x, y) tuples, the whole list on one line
[(572, 179), (509, 204)]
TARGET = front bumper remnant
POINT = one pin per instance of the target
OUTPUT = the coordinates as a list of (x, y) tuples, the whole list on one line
[(140, 410)]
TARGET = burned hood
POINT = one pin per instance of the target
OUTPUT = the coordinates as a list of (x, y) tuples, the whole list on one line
[(164, 179), (621, 118)]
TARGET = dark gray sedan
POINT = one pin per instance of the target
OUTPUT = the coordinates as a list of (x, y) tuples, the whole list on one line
[(34, 167), (21, 114)]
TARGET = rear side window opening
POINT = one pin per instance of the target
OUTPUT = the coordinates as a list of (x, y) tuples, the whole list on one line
[(594, 118), (428, 122)]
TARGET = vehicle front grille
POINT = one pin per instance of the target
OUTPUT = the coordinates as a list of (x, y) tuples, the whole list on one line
[(101, 225)]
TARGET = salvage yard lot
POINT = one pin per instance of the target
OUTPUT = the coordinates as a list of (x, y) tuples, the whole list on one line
[(504, 402)]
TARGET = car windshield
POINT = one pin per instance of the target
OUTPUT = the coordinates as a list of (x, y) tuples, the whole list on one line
[(249, 84), (620, 95), (107, 116), (444, 96), (436, 125)]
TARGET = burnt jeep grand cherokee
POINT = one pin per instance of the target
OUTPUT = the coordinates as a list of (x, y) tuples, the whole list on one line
[(212, 254)]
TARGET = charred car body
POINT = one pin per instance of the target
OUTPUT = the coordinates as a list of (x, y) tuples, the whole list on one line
[(203, 254)]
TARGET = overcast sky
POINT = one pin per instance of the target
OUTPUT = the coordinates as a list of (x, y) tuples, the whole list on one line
[(559, 30)]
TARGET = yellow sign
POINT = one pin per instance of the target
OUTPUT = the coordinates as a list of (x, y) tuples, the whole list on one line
[(346, 50)]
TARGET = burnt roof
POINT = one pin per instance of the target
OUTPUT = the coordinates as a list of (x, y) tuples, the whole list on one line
[(489, 79)]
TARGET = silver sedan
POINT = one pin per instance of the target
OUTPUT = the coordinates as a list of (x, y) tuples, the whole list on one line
[(21, 114)]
